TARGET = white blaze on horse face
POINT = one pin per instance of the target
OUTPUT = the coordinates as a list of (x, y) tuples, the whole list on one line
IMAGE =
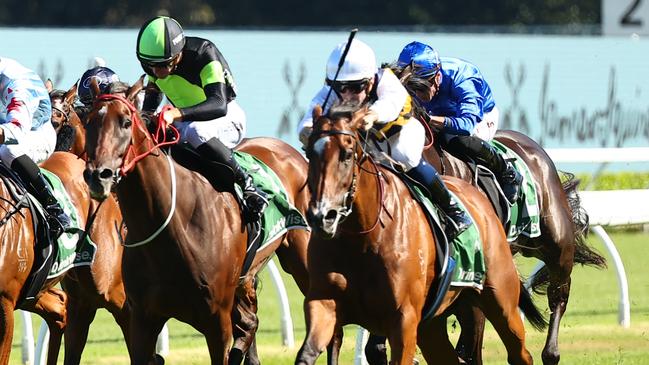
[(320, 144)]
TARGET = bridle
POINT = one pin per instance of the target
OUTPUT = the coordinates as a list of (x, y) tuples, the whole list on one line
[(360, 142)]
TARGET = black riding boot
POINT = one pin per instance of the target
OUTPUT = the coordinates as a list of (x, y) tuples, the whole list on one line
[(40, 189), (255, 199), (485, 154), (426, 174)]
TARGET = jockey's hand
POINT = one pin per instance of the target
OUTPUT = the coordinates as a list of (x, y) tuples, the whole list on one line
[(171, 115), (369, 119), (436, 123), (304, 136)]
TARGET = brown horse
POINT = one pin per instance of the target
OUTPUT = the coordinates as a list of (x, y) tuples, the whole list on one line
[(372, 254), (191, 246), (18, 255), (561, 243), (69, 128)]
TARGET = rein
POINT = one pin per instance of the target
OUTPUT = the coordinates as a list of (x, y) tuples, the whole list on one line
[(350, 194), (127, 167)]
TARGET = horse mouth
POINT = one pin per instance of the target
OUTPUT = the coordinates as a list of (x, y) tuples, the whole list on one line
[(324, 225)]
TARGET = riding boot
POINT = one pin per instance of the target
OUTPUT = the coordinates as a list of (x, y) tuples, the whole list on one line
[(485, 154), (427, 175), (255, 200), (40, 189)]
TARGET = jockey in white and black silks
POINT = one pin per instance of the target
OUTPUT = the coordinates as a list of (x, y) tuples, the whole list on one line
[(196, 79), (460, 107), (389, 117), (27, 135)]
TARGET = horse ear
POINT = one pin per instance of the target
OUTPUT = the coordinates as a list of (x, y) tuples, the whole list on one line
[(132, 92), (317, 112), (49, 86), (70, 94), (94, 88)]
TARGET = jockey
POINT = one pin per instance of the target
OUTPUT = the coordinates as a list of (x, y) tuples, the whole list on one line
[(389, 116), (461, 109), (196, 79), (27, 135)]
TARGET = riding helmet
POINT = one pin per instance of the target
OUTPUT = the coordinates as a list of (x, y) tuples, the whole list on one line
[(159, 40), (424, 57), (359, 64), (104, 77)]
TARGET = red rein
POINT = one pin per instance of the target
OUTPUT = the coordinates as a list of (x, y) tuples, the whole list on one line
[(160, 134)]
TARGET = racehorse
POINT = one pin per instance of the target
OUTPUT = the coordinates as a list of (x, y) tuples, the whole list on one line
[(18, 255), (69, 128), (563, 225), (191, 246), (372, 254)]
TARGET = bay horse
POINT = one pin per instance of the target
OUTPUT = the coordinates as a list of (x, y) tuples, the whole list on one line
[(191, 246), (563, 225), (18, 255), (372, 254), (86, 296)]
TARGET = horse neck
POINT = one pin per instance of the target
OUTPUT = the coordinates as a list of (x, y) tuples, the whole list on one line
[(79, 145), (366, 205)]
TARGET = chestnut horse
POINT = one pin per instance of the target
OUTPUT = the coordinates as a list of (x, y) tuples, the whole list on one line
[(191, 245), (563, 225), (372, 254), (18, 254), (69, 128)]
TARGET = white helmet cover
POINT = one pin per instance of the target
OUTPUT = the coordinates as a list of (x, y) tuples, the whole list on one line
[(360, 62)]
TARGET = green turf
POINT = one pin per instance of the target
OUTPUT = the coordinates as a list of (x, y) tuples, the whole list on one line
[(589, 332)]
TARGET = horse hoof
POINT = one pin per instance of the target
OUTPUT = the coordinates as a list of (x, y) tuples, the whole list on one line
[(158, 359)]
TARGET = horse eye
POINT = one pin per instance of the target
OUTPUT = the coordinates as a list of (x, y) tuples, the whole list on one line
[(126, 123), (347, 154)]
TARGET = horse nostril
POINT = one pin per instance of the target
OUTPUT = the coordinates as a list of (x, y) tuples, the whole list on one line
[(331, 214), (106, 174), (87, 174)]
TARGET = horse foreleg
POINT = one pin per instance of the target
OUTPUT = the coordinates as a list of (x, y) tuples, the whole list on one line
[(143, 334), (320, 317), (219, 337), (51, 305), (245, 323), (80, 315), (252, 357), (6, 329), (469, 344), (403, 338), (333, 348), (434, 343)]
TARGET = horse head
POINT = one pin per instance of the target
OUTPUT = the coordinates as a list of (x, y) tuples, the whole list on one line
[(62, 105), (333, 151), (110, 135)]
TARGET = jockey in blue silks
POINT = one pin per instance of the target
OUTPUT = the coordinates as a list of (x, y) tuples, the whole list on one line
[(27, 134), (461, 108)]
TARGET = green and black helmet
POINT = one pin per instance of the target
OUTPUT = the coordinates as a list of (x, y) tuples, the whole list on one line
[(160, 39)]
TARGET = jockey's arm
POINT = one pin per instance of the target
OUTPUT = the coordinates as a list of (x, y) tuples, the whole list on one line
[(392, 97), (214, 106), (19, 115), (469, 112)]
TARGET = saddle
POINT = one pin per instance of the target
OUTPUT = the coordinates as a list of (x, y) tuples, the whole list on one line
[(45, 249)]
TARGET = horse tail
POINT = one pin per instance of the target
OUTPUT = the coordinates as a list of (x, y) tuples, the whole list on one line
[(584, 254), (530, 310)]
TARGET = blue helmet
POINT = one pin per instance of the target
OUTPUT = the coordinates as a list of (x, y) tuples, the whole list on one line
[(424, 57), (104, 77)]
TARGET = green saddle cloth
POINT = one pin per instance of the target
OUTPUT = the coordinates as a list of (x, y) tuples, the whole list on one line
[(524, 215), (70, 252), (280, 215), (470, 267)]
